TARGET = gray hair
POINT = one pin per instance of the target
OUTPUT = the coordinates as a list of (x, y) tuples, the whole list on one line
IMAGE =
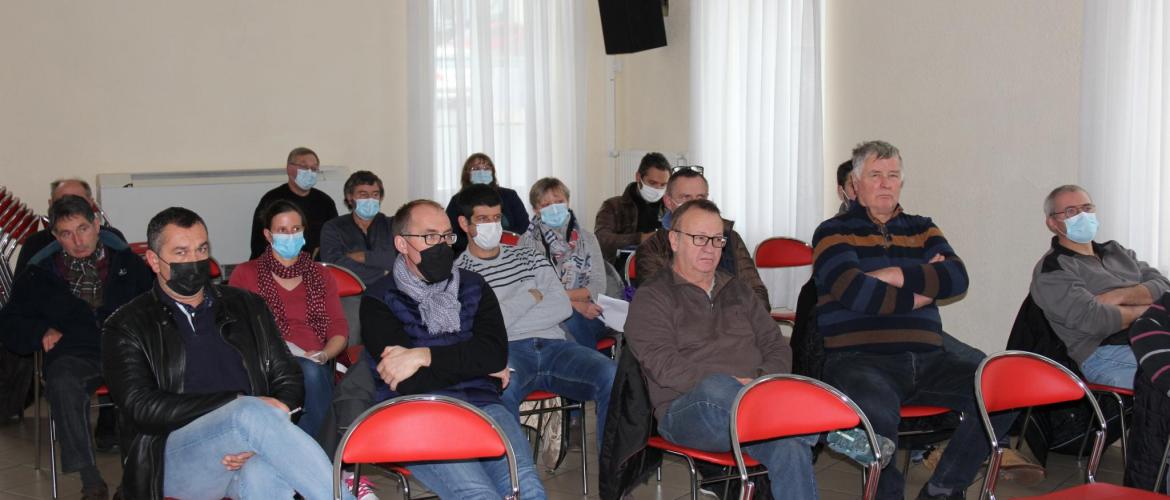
[(1050, 200), (57, 183), (542, 186), (879, 150)]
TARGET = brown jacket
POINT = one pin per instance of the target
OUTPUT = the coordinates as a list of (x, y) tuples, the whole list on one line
[(654, 255), (680, 335), (616, 226)]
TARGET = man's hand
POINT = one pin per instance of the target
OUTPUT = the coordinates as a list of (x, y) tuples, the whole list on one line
[(273, 402), (399, 363), (234, 462), (357, 256), (536, 294), (504, 375), (1137, 295), (50, 339), (921, 301), (889, 275), (318, 357), (938, 257), (587, 309)]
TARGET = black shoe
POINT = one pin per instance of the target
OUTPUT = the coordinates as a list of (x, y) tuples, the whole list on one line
[(95, 492), (106, 443), (957, 495)]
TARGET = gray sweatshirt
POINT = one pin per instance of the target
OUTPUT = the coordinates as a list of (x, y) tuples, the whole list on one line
[(511, 274), (1065, 283)]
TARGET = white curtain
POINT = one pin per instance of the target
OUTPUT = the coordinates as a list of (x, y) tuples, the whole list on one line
[(499, 77), (1125, 123), (756, 119)]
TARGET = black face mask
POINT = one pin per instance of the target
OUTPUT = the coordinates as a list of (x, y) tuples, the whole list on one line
[(436, 263), (188, 278)]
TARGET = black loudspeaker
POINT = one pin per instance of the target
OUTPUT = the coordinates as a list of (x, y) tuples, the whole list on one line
[(632, 25)]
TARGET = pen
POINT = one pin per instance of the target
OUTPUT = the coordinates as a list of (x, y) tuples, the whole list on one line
[(295, 411)]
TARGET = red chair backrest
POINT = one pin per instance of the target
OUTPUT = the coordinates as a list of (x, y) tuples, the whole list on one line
[(783, 252), (1014, 379), (348, 283), (140, 247), (631, 269), (421, 428), (787, 405), (216, 272), (509, 238)]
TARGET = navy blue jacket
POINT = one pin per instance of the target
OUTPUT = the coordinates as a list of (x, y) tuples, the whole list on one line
[(461, 361)]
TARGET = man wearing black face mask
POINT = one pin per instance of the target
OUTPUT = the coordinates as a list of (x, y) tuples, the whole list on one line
[(206, 383)]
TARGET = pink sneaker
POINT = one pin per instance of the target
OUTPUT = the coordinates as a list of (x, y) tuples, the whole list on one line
[(365, 487)]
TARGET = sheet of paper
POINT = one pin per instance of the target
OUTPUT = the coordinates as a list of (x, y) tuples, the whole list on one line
[(613, 312)]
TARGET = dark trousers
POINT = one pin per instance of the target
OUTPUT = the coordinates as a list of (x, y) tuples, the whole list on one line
[(70, 382), (881, 383)]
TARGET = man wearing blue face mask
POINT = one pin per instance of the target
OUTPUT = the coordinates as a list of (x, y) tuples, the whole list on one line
[(303, 168), (362, 240), (1091, 292)]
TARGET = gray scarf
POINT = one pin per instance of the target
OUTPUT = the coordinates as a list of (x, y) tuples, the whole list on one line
[(438, 302)]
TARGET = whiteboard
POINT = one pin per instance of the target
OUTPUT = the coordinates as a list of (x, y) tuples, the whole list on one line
[(226, 199)]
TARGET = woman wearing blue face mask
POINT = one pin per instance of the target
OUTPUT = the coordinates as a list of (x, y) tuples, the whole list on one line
[(479, 169), (574, 253), (304, 302)]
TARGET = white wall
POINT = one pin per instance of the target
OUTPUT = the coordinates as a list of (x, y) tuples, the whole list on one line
[(983, 100)]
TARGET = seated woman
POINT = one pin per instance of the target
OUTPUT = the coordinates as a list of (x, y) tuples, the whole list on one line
[(1151, 404), (574, 253), (479, 169), (304, 302)]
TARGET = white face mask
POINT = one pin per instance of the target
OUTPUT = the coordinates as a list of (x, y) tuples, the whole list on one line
[(651, 195), (487, 236)]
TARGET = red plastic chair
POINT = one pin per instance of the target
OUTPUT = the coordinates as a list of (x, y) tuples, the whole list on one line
[(763, 410), (782, 253), (509, 238), (544, 400), (1116, 394), (998, 388), (918, 411), (631, 269), (348, 283), (422, 428), (38, 365)]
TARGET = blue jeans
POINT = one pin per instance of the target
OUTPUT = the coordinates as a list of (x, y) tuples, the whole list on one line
[(286, 459), (485, 478), (1112, 365), (69, 383), (881, 383), (563, 367), (701, 419), (585, 331), (318, 394)]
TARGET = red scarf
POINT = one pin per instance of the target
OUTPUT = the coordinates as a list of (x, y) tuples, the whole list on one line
[(313, 281)]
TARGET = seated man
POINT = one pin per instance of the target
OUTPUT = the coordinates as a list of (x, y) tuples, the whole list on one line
[(1091, 292), (302, 168), (534, 303), (205, 383), (361, 240), (58, 305), (432, 328), (626, 221), (700, 334), (878, 272), (41, 239), (845, 191), (654, 254)]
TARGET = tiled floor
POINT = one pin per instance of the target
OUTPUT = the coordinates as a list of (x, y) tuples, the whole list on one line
[(838, 479)]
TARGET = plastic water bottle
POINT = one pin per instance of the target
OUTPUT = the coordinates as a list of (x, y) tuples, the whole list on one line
[(854, 444)]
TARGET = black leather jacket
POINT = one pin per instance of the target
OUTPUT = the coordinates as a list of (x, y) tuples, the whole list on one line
[(143, 363)]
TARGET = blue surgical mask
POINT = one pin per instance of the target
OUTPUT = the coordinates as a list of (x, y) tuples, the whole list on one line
[(481, 176), (555, 215), (288, 246), (366, 208), (306, 178), (1082, 227)]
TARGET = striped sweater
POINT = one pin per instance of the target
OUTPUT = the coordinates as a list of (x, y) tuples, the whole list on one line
[(1150, 338), (511, 274), (859, 312)]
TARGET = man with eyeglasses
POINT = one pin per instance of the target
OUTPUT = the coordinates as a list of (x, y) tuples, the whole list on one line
[(303, 168), (699, 334), (1091, 292), (653, 255), (534, 304), (433, 328), (878, 272)]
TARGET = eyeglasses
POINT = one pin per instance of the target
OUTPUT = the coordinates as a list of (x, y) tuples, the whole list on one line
[(701, 239), (1073, 211), (678, 168), (435, 238)]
